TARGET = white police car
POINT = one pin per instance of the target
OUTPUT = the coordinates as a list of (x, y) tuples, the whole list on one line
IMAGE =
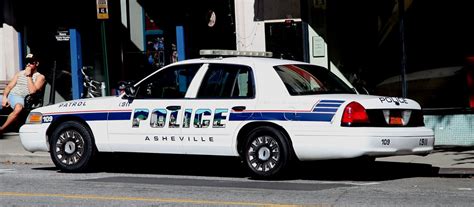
[(267, 111)]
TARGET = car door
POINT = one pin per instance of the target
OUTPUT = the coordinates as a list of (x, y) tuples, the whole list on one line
[(224, 100), (153, 125)]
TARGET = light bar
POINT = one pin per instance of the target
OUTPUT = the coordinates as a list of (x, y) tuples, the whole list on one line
[(235, 53)]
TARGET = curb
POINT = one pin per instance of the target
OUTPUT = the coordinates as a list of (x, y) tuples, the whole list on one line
[(26, 159), (43, 158), (11, 152), (456, 172)]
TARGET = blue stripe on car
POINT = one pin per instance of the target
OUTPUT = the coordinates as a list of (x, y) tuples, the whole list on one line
[(100, 116), (327, 105), (281, 116), (325, 110), (120, 115), (86, 116)]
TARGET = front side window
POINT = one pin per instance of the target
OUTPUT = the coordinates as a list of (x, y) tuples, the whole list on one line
[(172, 82), (310, 79), (227, 81)]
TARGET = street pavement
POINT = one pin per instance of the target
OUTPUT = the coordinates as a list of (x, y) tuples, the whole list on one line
[(455, 160)]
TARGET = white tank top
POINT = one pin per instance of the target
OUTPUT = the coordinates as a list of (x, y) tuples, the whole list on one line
[(21, 86)]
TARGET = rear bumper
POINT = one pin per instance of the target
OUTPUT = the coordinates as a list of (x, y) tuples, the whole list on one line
[(399, 146), (351, 145), (33, 137)]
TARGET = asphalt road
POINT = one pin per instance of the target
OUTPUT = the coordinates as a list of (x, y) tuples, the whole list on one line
[(151, 181)]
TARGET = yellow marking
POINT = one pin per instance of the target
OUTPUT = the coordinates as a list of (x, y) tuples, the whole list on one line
[(165, 200)]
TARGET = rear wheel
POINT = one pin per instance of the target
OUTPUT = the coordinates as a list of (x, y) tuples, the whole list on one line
[(71, 147), (267, 152)]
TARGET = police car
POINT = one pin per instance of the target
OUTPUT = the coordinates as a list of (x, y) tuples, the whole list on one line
[(267, 111)]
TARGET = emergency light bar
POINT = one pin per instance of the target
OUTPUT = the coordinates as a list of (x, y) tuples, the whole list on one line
[(235, 53)]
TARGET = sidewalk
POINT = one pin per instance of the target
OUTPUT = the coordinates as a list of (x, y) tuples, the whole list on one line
[(12, 151), (450, 159)]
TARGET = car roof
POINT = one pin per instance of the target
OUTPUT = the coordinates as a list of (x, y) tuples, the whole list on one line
[(248, 61)]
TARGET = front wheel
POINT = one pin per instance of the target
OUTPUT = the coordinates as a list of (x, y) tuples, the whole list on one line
[(72, 147), (267, 152)]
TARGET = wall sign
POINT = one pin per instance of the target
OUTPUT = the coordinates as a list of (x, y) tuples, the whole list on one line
[(62, 36), (318, 47), (102, 9)]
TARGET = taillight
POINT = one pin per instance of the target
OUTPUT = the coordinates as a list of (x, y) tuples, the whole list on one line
[(354, 114), (470, 86)]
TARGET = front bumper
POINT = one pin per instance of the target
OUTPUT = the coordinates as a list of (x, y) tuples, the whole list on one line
[(33, 137)]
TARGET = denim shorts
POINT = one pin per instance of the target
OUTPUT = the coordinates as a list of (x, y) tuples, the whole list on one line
[(14, 99)]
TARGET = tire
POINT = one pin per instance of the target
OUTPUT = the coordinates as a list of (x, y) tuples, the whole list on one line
[(71, 147), (267, 152)]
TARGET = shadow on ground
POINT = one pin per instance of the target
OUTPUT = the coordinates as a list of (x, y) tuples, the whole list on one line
[(335, 170), (466, 153), (452, 148)]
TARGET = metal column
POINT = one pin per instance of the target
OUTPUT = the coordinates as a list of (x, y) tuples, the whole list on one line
[(76, 63), (180, 43)]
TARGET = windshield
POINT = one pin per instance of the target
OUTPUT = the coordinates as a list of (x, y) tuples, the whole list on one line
[(310, 79)]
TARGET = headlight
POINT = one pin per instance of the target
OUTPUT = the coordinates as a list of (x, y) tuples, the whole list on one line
[(34, 118)]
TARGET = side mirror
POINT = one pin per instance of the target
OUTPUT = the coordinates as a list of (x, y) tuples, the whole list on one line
[(130, 91)]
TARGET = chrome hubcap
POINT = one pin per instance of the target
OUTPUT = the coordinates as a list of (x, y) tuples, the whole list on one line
[(263, 154), (69, 147)]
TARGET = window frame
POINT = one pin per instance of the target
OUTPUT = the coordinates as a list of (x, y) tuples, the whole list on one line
[(251, 81), (144, 80)]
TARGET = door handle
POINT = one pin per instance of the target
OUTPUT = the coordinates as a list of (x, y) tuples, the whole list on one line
[(238, 108), (173, 108)]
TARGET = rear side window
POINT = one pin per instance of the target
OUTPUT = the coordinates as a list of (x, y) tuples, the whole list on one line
[(310, 79), (227, 81)]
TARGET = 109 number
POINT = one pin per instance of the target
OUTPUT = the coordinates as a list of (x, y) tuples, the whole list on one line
[(385, 142)]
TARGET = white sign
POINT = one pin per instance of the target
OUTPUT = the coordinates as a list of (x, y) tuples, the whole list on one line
[(319, 47), (62, 36)]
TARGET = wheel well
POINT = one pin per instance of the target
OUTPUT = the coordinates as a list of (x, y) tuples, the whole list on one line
[(241, 137), (62, 119)]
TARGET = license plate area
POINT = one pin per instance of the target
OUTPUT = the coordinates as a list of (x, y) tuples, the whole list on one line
[(397, 117)]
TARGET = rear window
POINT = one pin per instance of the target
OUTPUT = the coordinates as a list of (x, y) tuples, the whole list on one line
[(310, 80)]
